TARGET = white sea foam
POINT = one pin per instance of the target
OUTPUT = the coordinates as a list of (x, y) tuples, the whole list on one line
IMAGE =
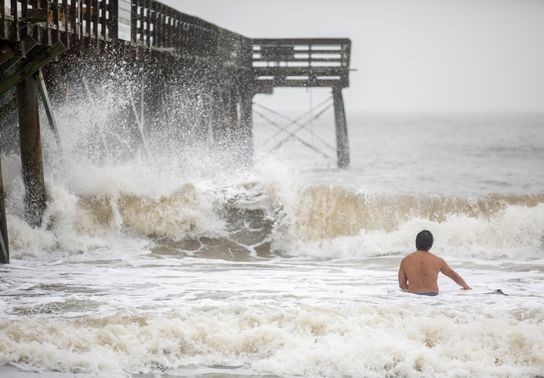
[(363, 340), (168, 260)]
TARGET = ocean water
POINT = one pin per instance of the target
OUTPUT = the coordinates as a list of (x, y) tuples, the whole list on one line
[(171, 263)]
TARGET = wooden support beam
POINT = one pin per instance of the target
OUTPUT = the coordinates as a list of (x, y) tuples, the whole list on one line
[(246, 126), (103, 20), (15, 33), (30, 67), (48, 107), (65, 21), (9, 63), (342, 140), (154, 90), (6, 54), (202, 116), (266, 86), (4, 245), (233, 124), (87, 16), (2, 18), (218, 119), (95, 20), (147, 18), (209, 104), (31, 151), (56, 19), (141, 19), (133, 21), (299, 71), (225, 116), (114, 20), (12, 55)]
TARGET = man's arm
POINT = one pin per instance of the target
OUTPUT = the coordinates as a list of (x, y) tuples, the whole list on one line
[(454, 276), (403, 280)]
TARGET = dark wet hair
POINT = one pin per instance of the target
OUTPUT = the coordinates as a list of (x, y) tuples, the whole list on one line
[(424, 240)]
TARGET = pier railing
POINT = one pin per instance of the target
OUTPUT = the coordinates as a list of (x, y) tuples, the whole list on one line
[(72, 22), (323, 62), (144, 23)]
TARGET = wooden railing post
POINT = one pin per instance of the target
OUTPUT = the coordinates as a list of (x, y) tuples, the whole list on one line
[(74, 28), (87, 19), (114, 20), (133, 21), (2, 17)]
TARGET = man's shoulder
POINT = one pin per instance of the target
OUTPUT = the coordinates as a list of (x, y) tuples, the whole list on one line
[(410, 255), (426, 255), (439, 260), (435, 256)]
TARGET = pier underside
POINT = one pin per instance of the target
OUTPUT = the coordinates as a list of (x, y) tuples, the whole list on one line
[(42, 41)]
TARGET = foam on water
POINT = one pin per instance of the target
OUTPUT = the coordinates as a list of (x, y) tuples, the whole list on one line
[(170, 260), (360, 340), (171, 315)]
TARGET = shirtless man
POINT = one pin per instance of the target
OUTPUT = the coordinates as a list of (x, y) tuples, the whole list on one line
[(419, 270)]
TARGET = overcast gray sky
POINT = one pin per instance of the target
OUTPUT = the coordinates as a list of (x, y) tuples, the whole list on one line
[(411, 55)]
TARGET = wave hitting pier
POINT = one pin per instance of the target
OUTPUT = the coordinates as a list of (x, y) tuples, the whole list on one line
[(226, 70)]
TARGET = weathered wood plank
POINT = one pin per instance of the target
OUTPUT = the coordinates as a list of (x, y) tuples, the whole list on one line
[(15, 35), (133, 21), (2, 18), (114, 20), (47, 105), (30, 67), (6, 54)]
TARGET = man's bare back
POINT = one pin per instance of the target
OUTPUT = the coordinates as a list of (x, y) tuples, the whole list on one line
[(419, 270)]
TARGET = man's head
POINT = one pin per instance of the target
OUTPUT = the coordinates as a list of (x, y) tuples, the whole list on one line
[(424, 240)]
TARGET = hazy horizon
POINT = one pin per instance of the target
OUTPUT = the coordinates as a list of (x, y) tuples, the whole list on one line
[(416, 56)]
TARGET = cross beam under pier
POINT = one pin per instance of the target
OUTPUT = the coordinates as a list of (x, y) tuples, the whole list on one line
[(307, 63)]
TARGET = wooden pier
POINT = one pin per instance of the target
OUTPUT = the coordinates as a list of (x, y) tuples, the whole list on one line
[(226, 70)]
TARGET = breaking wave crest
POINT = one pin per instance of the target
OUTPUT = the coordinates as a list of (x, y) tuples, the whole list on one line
[(338, 223), (269, 217)]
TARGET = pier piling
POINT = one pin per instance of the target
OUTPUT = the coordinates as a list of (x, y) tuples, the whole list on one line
[(232, 116), (4, 245), (342, 141), (31, 150), (246, 126)]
